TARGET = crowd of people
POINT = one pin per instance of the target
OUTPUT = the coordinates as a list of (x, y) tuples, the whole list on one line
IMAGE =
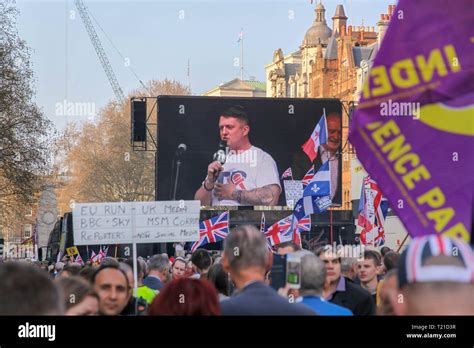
[(433, 276)]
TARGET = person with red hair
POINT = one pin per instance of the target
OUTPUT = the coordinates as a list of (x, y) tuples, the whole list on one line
[(186, 296)]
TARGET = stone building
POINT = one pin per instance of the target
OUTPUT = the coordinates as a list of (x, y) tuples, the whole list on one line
[(238, 88), (330, 63)]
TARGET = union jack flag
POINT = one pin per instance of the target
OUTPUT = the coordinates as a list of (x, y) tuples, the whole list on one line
[(102, 253), (373, 209), (79, 259), (94, 257), (283, 230), (275, 231), (287, 173), (294, 233), (308, 177), (212, 230)]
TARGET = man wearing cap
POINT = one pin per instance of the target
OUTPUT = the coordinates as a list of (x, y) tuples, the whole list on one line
[(249, 175), (436, 277)]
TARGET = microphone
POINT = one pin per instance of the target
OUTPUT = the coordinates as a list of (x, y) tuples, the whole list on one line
[(221, 154), (181, 149)]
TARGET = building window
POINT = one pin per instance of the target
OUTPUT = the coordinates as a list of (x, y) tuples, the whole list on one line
[(27, 231), (29, 211)]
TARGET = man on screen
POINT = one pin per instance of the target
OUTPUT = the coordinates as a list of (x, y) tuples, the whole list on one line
[(249, 175), (326, 152)]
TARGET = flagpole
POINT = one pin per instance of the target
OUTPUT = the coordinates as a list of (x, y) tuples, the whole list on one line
[(330, 223), (189, 77), (134, 246), (325, 122), (242, 54), (35, 243)]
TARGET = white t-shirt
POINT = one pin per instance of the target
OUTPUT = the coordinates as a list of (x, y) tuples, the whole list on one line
[(247, 170)]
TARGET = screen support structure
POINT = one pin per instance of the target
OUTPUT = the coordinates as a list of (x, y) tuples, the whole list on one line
[(151, 133)]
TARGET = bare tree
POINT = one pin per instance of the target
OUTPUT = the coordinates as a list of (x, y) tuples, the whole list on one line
[(24, 144), (100, 164)]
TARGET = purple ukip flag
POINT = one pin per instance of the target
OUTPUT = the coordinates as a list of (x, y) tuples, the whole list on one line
[(413, 129)]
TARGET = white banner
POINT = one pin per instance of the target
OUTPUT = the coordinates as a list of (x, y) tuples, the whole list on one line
[(139, 222)]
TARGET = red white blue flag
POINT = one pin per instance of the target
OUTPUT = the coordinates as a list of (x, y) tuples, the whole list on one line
[(283, 231), (287, 173), (373, 209), (94, 257), (79, 259), (294, 233), (212, 230), (308, 177), (317, 138)]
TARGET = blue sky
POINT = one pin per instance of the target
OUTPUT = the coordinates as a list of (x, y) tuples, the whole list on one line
[(158, 37)]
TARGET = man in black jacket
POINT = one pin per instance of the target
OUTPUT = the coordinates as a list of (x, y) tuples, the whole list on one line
[(247, 259), (342, 291), (158, 272)]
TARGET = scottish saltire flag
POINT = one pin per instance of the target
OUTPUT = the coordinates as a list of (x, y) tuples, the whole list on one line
[(318, 137), (287, 173), (308, 177), (413, 128), (212, 230), (320, 185)]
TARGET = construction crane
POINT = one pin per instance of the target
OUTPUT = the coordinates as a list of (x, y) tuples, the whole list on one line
[(81, 7)]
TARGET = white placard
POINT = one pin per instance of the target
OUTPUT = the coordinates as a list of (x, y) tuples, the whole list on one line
[(173, 221), (139, 222), (293, 191)]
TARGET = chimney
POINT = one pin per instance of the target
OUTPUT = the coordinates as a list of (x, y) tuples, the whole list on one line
[(339, 20), (391, 10), (382, 26)]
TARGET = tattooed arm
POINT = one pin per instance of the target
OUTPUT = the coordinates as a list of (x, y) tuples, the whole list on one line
[(266, 195)]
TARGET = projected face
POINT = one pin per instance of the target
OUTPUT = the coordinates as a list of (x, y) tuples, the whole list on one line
[(234, 131), (334, 132)]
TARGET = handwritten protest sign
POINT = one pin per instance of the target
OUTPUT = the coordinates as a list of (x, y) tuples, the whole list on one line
[(136, 222)]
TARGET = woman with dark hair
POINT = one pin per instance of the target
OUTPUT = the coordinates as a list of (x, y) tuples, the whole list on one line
[(186, 296), (220, 279), (78, 296)]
